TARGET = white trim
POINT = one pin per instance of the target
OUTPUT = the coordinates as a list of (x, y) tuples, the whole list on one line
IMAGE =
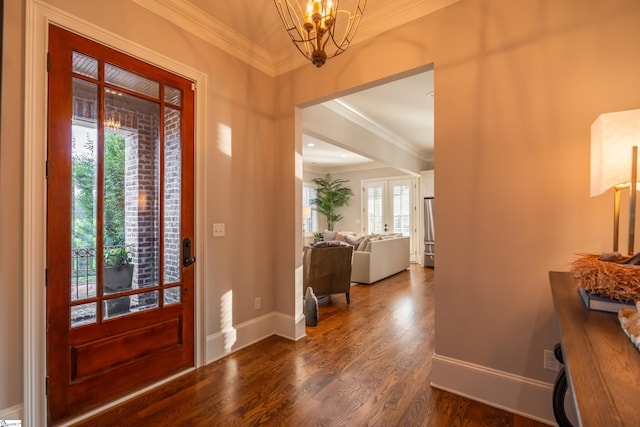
[(195, 21), (34, 256), (230, 340), (11, 413), (513, 393), (38, 16)]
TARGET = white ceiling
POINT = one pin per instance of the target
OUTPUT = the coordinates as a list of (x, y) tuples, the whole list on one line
[(400, 112)]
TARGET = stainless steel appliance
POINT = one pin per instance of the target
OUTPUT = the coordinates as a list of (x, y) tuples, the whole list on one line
[(429, 238)]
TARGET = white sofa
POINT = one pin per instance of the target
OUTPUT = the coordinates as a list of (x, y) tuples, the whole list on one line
[(384, 258)]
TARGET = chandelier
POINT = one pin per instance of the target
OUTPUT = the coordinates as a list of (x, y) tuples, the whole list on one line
[(320, 30)]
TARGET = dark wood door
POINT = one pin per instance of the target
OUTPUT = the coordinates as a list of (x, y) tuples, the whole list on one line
[(120, 295)]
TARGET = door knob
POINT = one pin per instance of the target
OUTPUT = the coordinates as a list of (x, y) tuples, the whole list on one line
[(186, 253)]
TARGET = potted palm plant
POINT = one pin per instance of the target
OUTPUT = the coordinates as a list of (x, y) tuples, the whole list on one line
[(331, 195)]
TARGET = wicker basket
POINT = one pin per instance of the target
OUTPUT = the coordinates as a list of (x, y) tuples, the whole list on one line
[(610, 279)]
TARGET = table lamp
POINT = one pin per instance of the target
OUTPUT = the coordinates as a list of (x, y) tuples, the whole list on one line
[(614, 163)]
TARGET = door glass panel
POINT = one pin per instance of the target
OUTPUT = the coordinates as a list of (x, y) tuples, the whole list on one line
[(401, 209), (120, 306), (84, 168), (135, 82), (85, 65), (131, 194), (374, 210), (172, 189), (83, 314), (173, 95), (172, 295), (116, 307), (144, 301)]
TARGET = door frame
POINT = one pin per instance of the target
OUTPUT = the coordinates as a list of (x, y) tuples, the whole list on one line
[(38, 18)]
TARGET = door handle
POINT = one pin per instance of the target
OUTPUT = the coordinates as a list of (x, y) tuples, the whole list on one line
[(186, 253)]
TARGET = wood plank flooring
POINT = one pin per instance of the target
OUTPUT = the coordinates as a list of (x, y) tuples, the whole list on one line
[(365, 364)]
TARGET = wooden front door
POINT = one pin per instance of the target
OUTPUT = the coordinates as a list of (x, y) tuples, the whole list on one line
[(120, 284)]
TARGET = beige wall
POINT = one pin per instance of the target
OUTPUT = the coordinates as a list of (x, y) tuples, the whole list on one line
[(11, 208), (517, 86)]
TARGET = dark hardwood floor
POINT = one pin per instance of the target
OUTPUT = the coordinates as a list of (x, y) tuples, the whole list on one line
[(365, 364)]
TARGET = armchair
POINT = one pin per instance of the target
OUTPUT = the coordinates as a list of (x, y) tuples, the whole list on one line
[(327, 270)]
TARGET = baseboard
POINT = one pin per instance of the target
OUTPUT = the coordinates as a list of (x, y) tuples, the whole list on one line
[(12, 413), (519, 395), (244, 334)]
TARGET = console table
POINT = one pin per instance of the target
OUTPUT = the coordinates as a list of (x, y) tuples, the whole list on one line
[(602, 364)]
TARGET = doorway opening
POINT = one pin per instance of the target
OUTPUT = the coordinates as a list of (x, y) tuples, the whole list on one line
[(380, 132)]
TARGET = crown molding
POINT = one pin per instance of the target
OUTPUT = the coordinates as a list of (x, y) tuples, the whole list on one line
[(354, 115), (195, 21), (358, 167)]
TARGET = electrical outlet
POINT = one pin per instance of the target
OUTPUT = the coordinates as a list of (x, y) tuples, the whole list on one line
[(217, 230), (550, 361), (257, 303)]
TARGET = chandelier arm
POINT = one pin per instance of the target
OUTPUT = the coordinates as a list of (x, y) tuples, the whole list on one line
[(311, 31), (344, 43), (291, 28)]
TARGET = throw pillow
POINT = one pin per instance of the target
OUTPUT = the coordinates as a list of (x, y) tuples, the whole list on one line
[(341, 237), (363, 244), (328, 236), (354, 240)]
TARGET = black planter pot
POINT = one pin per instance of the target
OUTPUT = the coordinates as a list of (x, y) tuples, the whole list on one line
[(117, 278), (118, 306)]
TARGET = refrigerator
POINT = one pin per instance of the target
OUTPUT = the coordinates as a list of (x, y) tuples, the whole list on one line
[(429, 239)]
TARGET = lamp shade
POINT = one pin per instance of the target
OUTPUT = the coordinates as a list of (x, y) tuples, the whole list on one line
[(612, 137), (306, 212)]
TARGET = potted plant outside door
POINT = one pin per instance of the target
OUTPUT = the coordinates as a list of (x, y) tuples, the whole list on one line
[(118, 277)]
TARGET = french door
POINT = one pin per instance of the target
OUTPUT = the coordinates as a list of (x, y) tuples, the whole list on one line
[(120, 224), (389, 207)]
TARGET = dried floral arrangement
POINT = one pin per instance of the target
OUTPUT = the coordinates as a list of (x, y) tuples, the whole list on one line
[(610, 275)]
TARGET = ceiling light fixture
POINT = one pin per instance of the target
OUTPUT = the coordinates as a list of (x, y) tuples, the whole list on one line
[(321, 30)]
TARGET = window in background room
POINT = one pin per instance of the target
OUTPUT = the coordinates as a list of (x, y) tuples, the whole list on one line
[(388, 205), (309, 223)]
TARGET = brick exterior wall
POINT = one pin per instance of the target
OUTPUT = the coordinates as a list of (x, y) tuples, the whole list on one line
[(172, 184)]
